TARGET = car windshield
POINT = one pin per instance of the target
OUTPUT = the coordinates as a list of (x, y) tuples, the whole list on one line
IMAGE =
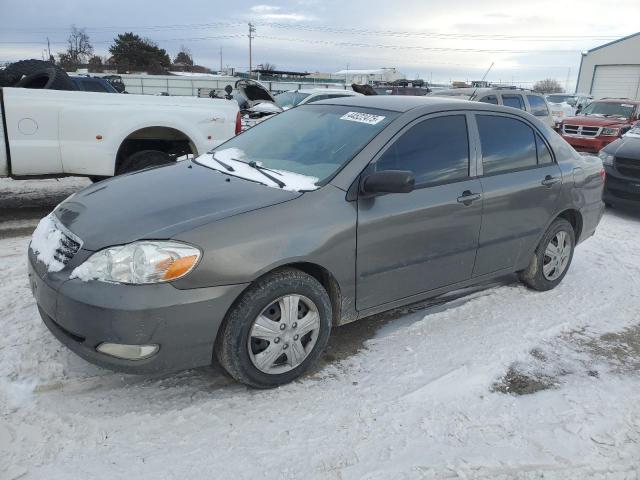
[(290, 99), (559, 98), (311, 141), (609, 109)]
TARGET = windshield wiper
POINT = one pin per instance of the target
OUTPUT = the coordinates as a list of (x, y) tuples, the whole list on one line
[(262, 169), (226, 166)]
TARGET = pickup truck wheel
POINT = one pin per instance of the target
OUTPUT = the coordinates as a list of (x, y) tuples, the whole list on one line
[(36, 74), (552, 257), (276, 330), (143, 159)]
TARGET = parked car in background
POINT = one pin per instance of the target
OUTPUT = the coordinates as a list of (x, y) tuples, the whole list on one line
[(564, 105), (326, 213), (401, 90), (526, 100), (55, 133), (86, 83), (621, 160), (294, 98), (600, 123)]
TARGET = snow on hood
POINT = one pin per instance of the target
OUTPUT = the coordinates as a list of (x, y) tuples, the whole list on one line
[(294, 182)]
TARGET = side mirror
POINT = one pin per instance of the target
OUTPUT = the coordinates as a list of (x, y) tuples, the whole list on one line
[(389, 181)]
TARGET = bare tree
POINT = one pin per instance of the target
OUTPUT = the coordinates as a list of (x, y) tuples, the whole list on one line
[(269, 67), (79, 49), (548, 85)]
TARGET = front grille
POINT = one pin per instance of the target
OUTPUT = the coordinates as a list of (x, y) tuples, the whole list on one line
[(581, 130), (67, 248), (628, 167)]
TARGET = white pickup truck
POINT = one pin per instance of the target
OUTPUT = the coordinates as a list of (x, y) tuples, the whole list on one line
[(55, 133)]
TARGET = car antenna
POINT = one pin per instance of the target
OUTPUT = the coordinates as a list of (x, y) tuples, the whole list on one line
[(483, 77)]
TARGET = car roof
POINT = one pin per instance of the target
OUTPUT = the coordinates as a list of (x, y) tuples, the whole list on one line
[(404, 103)]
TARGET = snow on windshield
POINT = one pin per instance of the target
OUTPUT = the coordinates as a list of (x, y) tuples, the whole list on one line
[(236, 159)]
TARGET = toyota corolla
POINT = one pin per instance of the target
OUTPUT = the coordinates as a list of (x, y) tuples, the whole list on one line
[(319, 216)]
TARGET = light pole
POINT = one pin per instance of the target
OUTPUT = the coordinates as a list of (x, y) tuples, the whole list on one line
[(252, 30)]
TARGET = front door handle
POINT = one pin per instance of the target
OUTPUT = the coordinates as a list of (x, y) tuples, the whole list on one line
[(550, 181), (467, 197)]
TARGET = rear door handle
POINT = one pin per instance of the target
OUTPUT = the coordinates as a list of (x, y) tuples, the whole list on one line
[(550, 181), (468, 197)]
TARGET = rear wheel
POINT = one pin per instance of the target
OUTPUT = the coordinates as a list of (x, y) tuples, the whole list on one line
[(276, 331), (143, 159), (552, 257)]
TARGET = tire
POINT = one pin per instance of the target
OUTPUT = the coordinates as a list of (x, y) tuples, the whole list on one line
[(143, 159), (36, 74), (557, 264), (239, 352)]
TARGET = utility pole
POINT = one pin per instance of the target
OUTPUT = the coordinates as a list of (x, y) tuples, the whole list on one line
[(220, 59), (48, 48), (252, 30)]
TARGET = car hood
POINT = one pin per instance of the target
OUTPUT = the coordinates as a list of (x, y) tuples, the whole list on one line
[(593, 120), (626, 147), (159, 203)]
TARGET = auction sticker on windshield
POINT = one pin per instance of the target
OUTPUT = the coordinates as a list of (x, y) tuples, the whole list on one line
[(362, 117)]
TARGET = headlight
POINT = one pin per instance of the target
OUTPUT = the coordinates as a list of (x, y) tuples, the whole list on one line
[(557, 113), (606, 158), (613, 132), (139, 262)]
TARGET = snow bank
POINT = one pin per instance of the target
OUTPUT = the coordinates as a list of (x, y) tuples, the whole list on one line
[(47, 239)]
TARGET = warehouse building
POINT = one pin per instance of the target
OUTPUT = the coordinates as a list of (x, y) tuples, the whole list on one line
[(612, 70)]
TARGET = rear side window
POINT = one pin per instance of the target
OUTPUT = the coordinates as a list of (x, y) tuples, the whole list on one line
[(515, 101), (507, 144), (490, 99), (544, 155), (435, 150), (538, 106)]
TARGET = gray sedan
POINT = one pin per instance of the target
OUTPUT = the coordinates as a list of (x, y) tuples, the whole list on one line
[(319, 216)]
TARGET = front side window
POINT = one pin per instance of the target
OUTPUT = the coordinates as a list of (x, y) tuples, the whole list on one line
[(507, 144), (514, 101), (434, 150), (538, 106)]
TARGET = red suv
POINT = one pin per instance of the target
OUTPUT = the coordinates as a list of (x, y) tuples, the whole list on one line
[(600, 123)]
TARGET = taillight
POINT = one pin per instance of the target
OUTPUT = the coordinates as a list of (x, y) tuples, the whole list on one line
[(603, 174), (238, 123)]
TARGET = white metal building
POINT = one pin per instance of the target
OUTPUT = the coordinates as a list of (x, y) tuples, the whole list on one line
[(612, 69)]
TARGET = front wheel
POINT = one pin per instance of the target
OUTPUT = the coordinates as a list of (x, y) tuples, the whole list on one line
[(276, 330), (552, 257)]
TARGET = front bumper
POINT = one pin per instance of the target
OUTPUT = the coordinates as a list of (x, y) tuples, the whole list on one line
[(588, 144), (619, 190), (82, 315)]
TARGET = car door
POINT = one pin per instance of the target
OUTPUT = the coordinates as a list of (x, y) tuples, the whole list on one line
[(409, 243), (520, 185)]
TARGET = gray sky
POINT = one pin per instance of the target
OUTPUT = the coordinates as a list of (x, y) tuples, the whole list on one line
[(439, 40)]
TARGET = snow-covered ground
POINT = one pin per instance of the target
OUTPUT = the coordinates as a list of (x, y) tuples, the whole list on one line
[(424, 398)]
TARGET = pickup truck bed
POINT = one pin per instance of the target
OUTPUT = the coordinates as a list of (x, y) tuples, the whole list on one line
[(61, 133)]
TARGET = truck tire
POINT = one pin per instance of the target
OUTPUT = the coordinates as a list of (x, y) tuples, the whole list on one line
[(36, 74), (143, 159)]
